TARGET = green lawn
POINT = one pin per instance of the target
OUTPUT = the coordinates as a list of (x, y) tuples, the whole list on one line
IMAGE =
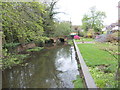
[(84, 39), (102, 65)]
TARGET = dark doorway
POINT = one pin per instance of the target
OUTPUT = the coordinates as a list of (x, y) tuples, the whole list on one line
[(61, 39)]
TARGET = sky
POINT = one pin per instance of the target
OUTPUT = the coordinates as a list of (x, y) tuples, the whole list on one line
[(73, 10)]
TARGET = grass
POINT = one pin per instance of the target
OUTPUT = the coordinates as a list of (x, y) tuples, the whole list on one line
[(84, 39), (34, 49), (78, 83), (95, 57), (70, 42)]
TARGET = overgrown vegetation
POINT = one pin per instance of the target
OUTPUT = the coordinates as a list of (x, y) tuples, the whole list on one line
[(12, 59), (70, 42), (102, 79), (62, 29), (28, 22), (22, 22)]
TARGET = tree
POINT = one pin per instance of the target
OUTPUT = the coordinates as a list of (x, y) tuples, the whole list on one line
[(85, 23), (22, 22), (48, 18), (62, 29), (93, 20)]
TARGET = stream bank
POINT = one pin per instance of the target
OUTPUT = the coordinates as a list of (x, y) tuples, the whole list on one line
[(52, 67)]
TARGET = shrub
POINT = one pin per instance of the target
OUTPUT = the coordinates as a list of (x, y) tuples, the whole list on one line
[(90, 33), (103, 79), (10, 60), (113, 37)]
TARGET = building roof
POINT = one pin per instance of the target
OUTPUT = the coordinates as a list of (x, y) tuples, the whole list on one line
[(112, 26)]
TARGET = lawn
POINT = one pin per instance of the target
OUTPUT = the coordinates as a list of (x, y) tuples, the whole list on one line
[(102, 65), (84, 39)]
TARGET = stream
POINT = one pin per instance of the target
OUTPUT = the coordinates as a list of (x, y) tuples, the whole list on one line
[(52, 67)]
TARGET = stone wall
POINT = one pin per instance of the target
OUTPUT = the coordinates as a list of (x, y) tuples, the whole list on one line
[(21, 48)]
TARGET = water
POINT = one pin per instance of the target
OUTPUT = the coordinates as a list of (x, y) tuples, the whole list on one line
[(53, 67)]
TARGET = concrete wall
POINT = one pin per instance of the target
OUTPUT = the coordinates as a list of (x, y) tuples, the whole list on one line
[(0, 61)]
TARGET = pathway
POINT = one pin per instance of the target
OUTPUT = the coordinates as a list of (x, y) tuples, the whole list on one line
[(85, 42)]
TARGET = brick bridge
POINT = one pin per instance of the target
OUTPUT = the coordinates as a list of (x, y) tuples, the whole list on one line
[(56, 40)]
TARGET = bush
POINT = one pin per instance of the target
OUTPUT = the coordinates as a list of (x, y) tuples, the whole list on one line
[(81, 34), (10, 60), (103, 79), (113, 37), (90, 33), (11, 45)]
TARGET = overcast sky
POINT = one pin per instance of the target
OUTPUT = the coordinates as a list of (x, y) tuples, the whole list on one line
[(75, 9)]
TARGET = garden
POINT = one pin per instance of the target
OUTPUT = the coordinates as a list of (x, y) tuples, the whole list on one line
[(102, 61), (37, 45)]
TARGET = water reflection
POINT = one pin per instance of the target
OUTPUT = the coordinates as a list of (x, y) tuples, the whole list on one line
[(49, 68)]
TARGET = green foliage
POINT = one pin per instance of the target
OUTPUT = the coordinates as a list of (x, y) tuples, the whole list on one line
[(85, 23), (93, 20), (11, 44), (90, 33), (48, 18), (81, 34), (70, 42), (102, 64), (62, 29), (10, 60), (27, 21), (35, 49), (78, 83), (103, 79), (22, 21), (113, 37)]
